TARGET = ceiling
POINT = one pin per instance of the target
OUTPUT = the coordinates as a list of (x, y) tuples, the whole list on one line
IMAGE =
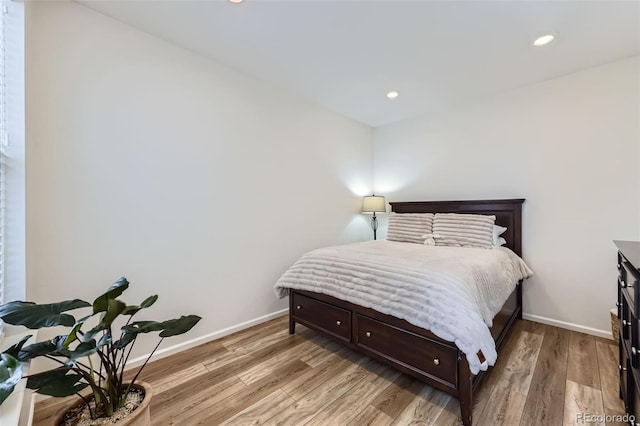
[(346, 55)]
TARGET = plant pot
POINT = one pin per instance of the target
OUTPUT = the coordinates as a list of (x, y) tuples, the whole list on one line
[(141, 416)]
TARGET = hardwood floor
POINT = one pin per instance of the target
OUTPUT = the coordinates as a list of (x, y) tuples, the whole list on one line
[(262, 375)]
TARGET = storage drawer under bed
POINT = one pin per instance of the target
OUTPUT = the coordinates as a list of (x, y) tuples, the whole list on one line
[(408, 350), (316, 314)]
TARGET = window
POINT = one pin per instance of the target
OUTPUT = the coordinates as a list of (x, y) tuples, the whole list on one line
[(12, 154), (3, 143)]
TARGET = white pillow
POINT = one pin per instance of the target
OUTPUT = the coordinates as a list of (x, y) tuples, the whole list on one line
[(497, 239), (464, 230)]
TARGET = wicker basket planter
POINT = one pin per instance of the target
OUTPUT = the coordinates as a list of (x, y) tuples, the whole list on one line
[(615, 325)]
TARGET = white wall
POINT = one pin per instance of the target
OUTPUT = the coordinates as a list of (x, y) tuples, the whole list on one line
[(194, 181), (202, 185), (570, 146)]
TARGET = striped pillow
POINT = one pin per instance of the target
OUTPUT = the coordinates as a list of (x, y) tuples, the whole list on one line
[(409, 227), (463, 230)]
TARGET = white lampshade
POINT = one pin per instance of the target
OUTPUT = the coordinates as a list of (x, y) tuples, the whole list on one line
[(374, 204)]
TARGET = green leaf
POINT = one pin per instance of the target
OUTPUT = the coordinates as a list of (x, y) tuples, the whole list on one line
[(114, 308), (59, 342), (10, 375), (84, 349), (56, 383), (143, 327), (149, 301), (105, 340), (127, 338), (167, 328), (131, 310), (134, 309), (14, 350), (101, 304), (38, 349), (180, 325), (92, 333), (31, 315), (73, 334), (53, 347)]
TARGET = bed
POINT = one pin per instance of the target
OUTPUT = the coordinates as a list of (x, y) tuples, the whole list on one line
[(405, 346)]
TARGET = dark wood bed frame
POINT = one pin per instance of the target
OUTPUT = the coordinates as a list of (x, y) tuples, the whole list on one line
[(396, 342)]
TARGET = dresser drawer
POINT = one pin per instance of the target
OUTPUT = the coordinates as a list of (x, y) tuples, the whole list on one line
[(409, 350), (634, 407), (628, 279), (625, 321), (629, 334), (328, 318), (625, 375)]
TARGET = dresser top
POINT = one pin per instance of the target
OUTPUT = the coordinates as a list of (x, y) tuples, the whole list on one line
[(631, 250)]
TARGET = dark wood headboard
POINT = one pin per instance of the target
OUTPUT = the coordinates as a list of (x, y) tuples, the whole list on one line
[(508, 213)]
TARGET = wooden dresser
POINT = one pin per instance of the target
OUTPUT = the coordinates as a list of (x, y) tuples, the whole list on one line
[(628, 314)]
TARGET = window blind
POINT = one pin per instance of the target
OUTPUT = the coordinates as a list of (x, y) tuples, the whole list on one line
[(3, 144)]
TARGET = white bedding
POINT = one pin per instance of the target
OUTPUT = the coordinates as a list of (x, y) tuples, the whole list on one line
[(452, 291)]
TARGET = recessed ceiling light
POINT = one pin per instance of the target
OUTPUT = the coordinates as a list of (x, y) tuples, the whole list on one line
[(393, 94), (236, 1), (545, 39)]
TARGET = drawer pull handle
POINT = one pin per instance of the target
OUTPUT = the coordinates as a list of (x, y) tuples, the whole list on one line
[(338, 322), (623, 284), (368, 334), (617, 304), (625, 323), (436, 361), (299, 307)]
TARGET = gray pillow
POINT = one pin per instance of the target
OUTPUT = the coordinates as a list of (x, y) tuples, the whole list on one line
[(409, 227), (463, 230)]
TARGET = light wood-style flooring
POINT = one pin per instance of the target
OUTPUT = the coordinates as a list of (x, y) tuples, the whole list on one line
[(544, 376)]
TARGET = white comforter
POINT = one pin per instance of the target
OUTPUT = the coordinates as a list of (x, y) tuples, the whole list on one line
[(452, 291)]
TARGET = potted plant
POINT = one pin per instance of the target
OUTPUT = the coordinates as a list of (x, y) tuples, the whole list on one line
[(92, 354)]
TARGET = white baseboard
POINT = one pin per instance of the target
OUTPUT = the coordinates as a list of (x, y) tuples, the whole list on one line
[(206, 338), (569, 326), (238, 327)]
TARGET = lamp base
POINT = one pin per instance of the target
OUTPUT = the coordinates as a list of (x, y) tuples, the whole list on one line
[(374, 225)]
